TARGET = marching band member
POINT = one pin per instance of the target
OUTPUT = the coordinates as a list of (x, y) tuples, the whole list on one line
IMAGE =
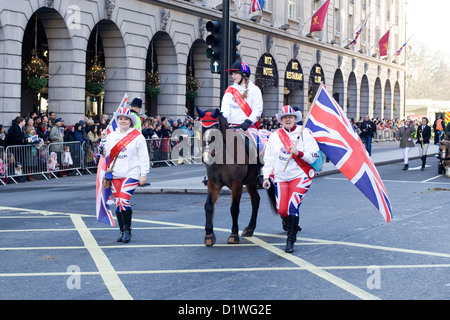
[(291, 184), (129, 166)]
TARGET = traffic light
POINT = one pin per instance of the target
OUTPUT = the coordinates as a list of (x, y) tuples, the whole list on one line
[(235, 41), (214, 40)]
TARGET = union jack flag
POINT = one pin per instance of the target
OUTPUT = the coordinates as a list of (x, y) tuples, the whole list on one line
[(103, 211), (359, 32), (401, 48), (341, 144), (113, 124), (256, 5)]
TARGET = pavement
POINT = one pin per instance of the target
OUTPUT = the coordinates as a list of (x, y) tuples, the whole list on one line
[(381, 155)]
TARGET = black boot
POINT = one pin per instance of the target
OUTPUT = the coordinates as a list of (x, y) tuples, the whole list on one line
[(405, 167), (122, 229), (126, 225), (292, 229), (424, 161)]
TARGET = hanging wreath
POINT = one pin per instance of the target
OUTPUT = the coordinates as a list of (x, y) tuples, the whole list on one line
[(37, 72), (192, 86), (152, 87), (95, 80)]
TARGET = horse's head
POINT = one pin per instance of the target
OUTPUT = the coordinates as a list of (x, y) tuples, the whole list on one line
[(444, 148), (212, 126)]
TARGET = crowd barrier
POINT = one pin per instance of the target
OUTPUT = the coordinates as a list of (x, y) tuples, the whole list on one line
[(69, 158)]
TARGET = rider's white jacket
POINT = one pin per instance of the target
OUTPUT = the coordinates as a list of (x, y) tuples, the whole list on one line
[(276, 155), (133, 161), (231, 110)]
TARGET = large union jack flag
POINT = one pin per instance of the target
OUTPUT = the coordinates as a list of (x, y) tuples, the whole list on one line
[(341, 144), (256, 5), (103, 211)]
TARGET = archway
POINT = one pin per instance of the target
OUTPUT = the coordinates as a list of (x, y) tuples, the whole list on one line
[(207, 94), (172, 76), (293, 85), (352, 96), (266, 78), (396, 106), (377, 102), (387, 102), (338, 88), (364, 97)]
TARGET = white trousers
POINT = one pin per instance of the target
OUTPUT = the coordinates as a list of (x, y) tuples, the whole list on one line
[(423, 151), (406, 154)]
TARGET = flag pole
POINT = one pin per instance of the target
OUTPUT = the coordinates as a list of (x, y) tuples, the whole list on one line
[(125, 97), (303, 126)]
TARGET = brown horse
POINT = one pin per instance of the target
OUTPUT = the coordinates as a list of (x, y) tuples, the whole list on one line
[(444, 156), (224, 169)]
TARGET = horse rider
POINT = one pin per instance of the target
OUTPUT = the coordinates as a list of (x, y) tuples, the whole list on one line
[(242, 102), (423, 135), (293, 180)]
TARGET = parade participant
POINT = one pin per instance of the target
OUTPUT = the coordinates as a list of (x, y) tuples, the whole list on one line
[(423, 135), (368, 128), (291, 184), (242, 103), (129, 165), (406, 134), (135, 108)]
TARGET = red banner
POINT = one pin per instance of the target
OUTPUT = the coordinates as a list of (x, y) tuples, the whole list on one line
[(318, 18), (383, 44)]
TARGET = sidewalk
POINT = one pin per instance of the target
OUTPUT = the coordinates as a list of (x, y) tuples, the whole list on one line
[(194, 184)]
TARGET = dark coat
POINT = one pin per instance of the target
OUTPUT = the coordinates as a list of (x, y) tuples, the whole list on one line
[(16, 136), (425, 134), (368, 128)]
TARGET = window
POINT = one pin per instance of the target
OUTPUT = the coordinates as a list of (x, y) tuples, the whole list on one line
[(291, 9)]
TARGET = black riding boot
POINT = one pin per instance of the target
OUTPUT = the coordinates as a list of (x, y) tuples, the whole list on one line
[(292, 229), (127, 225), (405, 167), (122, 229), (424, 161)]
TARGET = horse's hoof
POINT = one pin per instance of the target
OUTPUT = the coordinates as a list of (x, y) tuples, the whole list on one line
[(247, 232), (210, 240), (233, 239)]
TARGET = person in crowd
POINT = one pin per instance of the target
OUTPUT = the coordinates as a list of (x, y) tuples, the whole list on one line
[(135, 107), (16, 134), (447, 131), (2, 136), (291, 184), (406, 135), (423, 136), (368, 129), (127, 151)]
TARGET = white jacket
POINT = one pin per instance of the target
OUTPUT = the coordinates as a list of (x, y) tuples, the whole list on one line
[(276, 155), (133, 161), (231, 110)]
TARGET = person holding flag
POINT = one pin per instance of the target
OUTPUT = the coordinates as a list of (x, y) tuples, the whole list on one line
[(291, 184), (127, 165), (423, 135)]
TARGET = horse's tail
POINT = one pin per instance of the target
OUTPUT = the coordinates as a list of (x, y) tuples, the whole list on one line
[(272, 198)]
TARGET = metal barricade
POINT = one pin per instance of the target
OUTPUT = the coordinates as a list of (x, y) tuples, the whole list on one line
[(2, 166), (89, 150), (25, 160), (64, 157)]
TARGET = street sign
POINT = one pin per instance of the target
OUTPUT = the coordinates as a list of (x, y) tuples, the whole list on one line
[(216, 66)]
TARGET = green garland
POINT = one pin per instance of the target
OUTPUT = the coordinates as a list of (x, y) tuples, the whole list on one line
[(37, 72), (152, 88), (192, 86), (95, 79)]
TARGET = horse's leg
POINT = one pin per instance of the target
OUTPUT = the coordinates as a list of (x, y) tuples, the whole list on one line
[(255, 199), (236, 192), (213, 194)]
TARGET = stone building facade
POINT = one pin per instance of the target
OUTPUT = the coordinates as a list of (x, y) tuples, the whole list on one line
[(132, 37)]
